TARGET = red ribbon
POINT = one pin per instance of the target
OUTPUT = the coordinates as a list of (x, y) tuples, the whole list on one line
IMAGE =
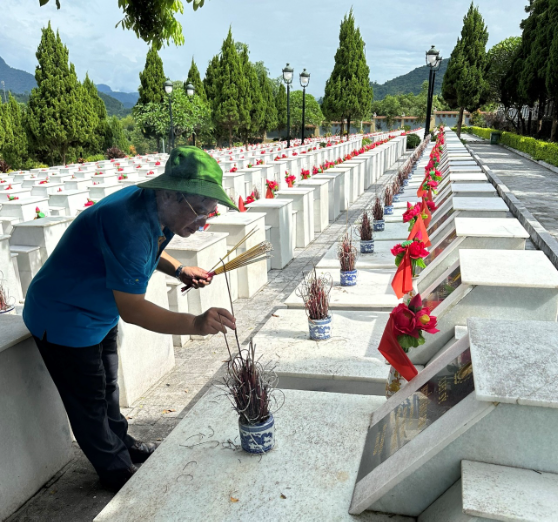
[(241, 206), (419, 231), (394, 354), (403, 279), (269, 194)]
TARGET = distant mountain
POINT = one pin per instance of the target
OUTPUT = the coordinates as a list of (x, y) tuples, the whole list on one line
[(114, 106), (128, 99), (410, 82), (15, 80)]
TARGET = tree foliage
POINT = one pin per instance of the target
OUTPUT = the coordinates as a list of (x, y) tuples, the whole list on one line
[(500, 59), (152, 79), (195, 79), (348, 94), (281, 106), (154, 21), (14, 147), (56, 113), (464, 81), (313, 113)]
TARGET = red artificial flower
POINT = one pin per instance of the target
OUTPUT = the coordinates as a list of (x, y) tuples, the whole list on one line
[(404, 321), (157, 163), (417, 250), (411, 213), (89, 203), (234, 169), (431, 206), (9, 187), (427, 322), (432, 184), (415, 304), (397, 249)]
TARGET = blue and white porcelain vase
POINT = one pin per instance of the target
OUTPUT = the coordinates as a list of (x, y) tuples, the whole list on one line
[(388, 210), (348, 278), (401, 190), (396, 198), (257, 438), (367, 246), (379, 225), (405, 182), (320, 329)]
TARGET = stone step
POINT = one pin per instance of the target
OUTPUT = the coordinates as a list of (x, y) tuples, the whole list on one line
[(493, 492)]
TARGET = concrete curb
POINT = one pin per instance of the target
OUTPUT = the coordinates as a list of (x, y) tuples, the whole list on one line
[(539, 235)]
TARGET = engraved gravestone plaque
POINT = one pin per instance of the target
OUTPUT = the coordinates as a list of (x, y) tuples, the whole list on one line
[(417, 412)]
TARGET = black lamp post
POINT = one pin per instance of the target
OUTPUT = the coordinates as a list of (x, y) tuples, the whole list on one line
[(190, 91), (304, 81), (288, 79), (168, 90), (433, 60)]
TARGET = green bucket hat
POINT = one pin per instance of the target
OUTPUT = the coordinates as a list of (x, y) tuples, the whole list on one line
[(192, 171)]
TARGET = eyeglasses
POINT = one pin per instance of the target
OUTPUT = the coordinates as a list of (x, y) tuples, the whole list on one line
[(199, 217)]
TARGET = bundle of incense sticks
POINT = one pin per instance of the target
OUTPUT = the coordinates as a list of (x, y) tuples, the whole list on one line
[(257, 253)]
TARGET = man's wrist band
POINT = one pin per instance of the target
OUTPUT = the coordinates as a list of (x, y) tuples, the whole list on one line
[(179, 271)]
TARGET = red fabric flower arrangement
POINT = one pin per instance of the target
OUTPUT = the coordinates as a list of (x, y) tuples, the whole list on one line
[(305, 174), (290, 179)]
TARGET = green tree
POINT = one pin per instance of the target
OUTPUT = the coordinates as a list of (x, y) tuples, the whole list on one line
[(153, 21), (551, 76), (390, 109), (152, 79), (189, 114), (270, 120), (465, 80), (15, 147), (55, 112), (100, 137), (229, 111), (118, 135), (313, 113), (348, 93), (500, 59), (195, 79), (211, 74), (281, 106)]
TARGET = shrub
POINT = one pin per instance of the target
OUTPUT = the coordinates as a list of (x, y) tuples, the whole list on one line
[(95, 158), (539, 150), (366, 141), (115, 153), (407, 128), (413, 141)]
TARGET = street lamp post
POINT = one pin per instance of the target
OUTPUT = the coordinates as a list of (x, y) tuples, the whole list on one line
[(168, 90), (433, 61), (288, 79), (304, 81), (375, 130), (402, 120), (190, 91)]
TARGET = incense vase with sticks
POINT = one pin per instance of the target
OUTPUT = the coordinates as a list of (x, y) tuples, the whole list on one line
[(314, 291), (365, 231), (347, 258), (257, 438)]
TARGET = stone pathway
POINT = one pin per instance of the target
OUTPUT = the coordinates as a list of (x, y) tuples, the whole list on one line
[(534, 185), (75, 494)]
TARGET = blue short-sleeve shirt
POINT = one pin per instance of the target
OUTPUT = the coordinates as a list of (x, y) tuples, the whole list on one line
[(113, 245)]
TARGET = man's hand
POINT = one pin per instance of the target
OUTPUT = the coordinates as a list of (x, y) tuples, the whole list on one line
[(213, 321), (195, 277)]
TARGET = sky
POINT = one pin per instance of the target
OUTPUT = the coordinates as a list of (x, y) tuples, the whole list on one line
[(304, 33)]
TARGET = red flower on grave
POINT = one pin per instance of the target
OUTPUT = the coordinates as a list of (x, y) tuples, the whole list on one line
[(157, 163), (417, 250), (427, 322), (404, 321), (397, 249)]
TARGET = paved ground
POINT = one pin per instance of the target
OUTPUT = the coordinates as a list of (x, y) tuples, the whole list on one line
[(534, 185), (75, 494)]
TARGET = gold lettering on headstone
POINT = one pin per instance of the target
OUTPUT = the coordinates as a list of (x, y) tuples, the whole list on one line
[(423, 407), (379, 444), (464, 373), (443, 390)]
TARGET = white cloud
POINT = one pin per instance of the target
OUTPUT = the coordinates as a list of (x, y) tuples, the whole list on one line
[(301, 32)]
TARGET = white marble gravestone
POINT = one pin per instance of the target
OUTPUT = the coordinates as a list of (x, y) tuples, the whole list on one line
[(303, 202), (307, 476), (35, 440), (469, 233), (489, 284), (498, 406), (321, 202)]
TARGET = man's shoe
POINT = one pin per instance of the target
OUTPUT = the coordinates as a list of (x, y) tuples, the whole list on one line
[(114, 480), (141, 451)]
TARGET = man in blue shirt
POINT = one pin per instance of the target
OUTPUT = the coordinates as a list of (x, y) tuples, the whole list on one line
[(99, 272)]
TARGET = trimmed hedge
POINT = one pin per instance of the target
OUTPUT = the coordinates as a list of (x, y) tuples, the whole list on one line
[(537, 149)]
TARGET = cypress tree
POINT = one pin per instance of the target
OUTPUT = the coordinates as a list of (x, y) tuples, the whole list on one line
[(3, 125), (15, 149), (348, 94), (449, 84), (270, 119), (55, 110), (467, 80), (195, 80), (152, 79), (229, 109), (101, 137), (253, 104), (211, 74), (118, 135), (281, 106)]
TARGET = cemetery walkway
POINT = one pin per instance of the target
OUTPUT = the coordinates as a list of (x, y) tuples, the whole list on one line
[(75, 494), (533, 184)]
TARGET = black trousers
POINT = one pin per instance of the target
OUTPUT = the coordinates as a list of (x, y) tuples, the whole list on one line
[(87, 380)]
